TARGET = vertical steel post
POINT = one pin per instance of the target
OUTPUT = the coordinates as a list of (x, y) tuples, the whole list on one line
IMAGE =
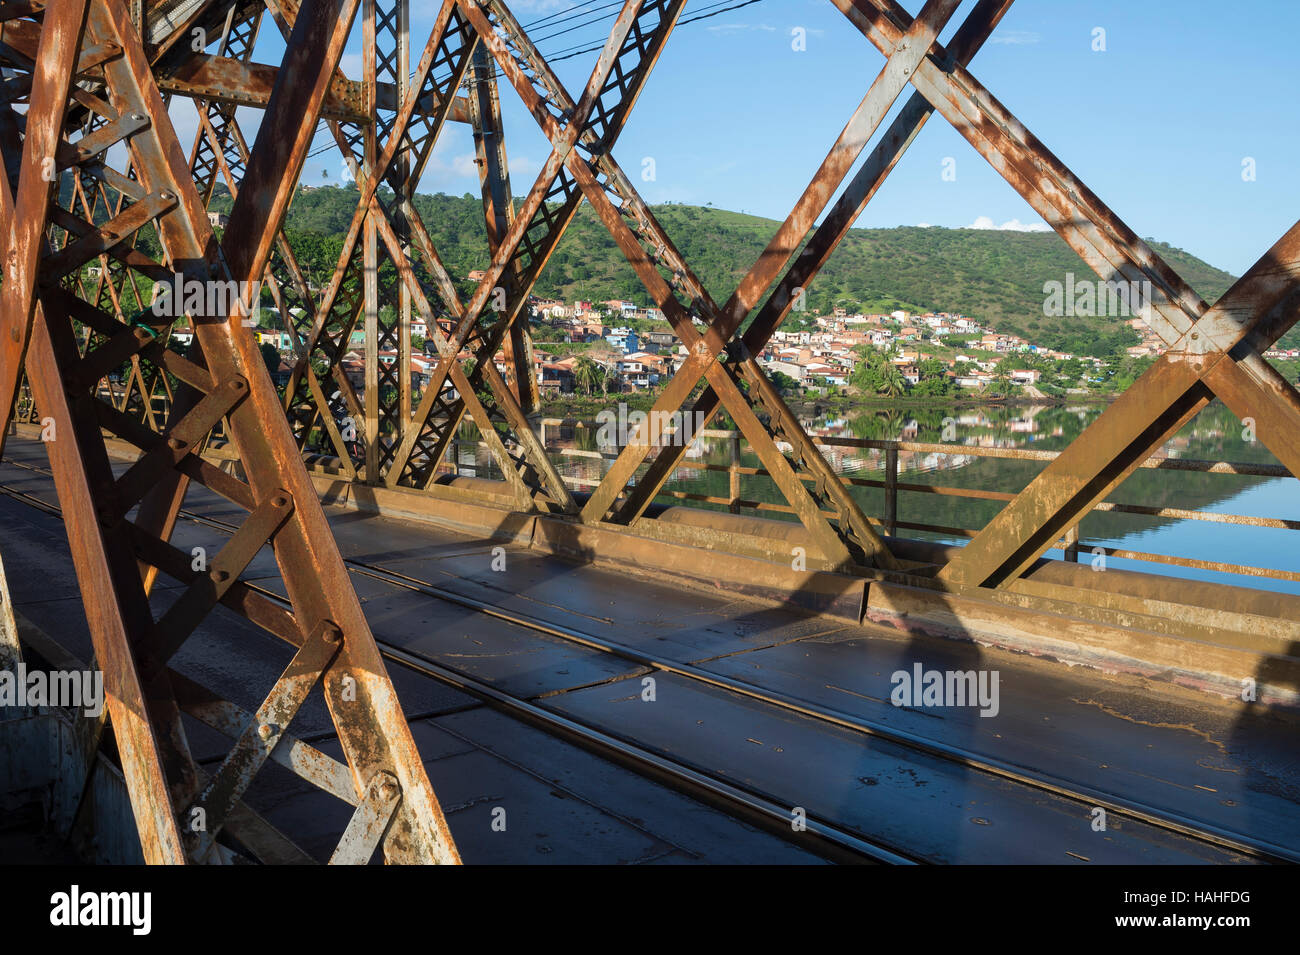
[(733, 448), (891, 489)]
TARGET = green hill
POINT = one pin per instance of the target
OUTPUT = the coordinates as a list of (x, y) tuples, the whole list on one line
[(993, 276)]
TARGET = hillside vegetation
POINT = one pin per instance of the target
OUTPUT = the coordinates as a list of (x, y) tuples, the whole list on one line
[(996, 277)]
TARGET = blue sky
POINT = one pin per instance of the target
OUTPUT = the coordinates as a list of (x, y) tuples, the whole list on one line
[(1158, 125)]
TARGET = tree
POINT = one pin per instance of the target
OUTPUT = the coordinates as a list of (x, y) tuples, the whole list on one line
[(784, 384), (866, 374), (271, 355), (892, 381), (588, 376), (934, 380)]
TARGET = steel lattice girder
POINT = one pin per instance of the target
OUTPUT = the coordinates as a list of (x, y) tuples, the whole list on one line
[(1212, 351), (535, 230), (112, 78), (1097, 235)]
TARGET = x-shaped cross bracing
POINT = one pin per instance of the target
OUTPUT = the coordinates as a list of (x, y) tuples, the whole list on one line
[(1211, 351), (647, 246)]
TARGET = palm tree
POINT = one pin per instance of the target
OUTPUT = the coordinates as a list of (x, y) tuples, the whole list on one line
[(893, 383), (587, 375)]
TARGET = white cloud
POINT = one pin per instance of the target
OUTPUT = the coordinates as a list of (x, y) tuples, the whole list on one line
[(522, 168), (451, 165), (1011, 225), (352, 66), (466, 164), (1015, 37)]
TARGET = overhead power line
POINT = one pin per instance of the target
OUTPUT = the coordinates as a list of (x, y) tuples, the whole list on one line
[(567, 54)]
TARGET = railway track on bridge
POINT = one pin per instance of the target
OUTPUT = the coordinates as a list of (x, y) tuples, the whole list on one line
[(833, 840)]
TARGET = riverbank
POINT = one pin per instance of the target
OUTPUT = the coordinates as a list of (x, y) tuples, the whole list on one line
[(588, 406)]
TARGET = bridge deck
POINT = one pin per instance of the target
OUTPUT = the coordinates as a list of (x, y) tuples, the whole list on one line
[(757, 710)]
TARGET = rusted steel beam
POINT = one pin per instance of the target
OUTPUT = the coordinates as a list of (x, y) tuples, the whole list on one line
[(230, 81), (834, 227), (23, 242), (385, 56), (175, 33), (369, 822), (1099, 236), (548, 212), (115, 607), (374, 736), (499, 213), (465, 389), (181, 773), (704, 350), (161, 506), (444, 42), (284, 508), (265, 730), (1179, 384), (560, 149)]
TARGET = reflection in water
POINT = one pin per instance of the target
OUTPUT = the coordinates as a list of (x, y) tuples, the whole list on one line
[(1214, 435)]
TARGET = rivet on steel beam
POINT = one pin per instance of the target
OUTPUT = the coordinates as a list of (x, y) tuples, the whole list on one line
[(221, 576), (331, 633), (389, 789), (176, 444), (265, 730)]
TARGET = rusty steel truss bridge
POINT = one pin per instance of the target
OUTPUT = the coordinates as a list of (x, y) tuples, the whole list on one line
[(92, 162)]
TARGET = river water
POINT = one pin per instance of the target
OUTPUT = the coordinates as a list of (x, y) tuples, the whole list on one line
[(1214, 435)]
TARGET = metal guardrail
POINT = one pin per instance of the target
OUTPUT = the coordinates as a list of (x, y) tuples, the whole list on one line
[(1070, 544)]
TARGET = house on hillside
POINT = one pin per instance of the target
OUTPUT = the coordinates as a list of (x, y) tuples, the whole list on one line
[(555, 377), (624, 339), (656, 342), (640, 370), (588, 331), (270, 336)]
